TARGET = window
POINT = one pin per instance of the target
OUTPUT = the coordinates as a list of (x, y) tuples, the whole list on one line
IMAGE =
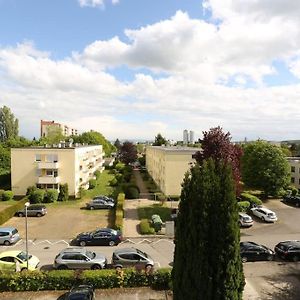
[(293, 169), (49, 172), (292, 180), (38, 157), (68, 256), (8, 259), (126, 256), (4, 233), (51, 158)]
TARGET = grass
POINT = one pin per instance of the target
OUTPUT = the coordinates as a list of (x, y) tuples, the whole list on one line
[(155, 209)]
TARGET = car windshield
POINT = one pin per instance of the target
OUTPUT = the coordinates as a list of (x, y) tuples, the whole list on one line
[(271, 214), (90, 254), (143, 253), (246, 218), (22, 256)]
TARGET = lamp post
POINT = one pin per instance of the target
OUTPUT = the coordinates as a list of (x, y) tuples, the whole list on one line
[(26, 232)]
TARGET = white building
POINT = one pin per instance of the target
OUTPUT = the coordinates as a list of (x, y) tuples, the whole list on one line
[(185, 137)]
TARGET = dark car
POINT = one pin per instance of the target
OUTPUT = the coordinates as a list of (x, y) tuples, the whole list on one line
[(99, 203), (289, 250), (81, 292), (99, 237), (294, 200), (251, 251), (34, 210)]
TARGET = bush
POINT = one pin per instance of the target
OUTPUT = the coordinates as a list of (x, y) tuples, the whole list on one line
[(132, 193), (51, 195), (37, 196), (253, 200), (120, 167), (65, 279), (7, 195), (119, 211), (92, 184), (1, 193), (30, 190), (294, 190), (145, 227), (113, 182), (10, 211), (243, 206), (97, 173), (63, 192)]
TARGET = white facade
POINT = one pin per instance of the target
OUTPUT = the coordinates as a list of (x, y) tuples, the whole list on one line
[(185, 137), (294, 163)]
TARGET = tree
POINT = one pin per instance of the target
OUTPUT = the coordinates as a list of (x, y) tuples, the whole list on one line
[(117, 144), (63, 192), (265, 167), (128, 153), (217, 144), (9, 125), (159, 140), (207, 263), (54, 136)]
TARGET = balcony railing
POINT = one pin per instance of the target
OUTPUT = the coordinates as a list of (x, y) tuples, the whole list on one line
[(48, 165), (48, 180)]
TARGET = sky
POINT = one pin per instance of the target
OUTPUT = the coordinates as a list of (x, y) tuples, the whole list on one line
[(131, 69)]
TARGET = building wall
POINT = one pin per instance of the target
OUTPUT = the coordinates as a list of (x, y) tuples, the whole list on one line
[(74, 166), (167, 166), (65, 130), (295, 171)]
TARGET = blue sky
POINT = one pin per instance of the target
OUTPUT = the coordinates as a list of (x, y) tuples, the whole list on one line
[(133, 68)]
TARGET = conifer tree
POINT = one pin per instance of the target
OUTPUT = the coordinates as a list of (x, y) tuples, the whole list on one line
[(207, 263)]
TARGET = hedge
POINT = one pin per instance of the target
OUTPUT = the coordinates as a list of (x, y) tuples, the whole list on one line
[(100, 279), (51, 195), (145, 227), (251, 199), (7, 195), (119, 211), (243, 206), (37, 196), (10, 211)]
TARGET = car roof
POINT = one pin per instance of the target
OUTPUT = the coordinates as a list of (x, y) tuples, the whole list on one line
[(8, 228), (10, 253), (73, 250), (291, 243), (248, 244), (264, 209), (105, 229), (126, 250), (243, 214)]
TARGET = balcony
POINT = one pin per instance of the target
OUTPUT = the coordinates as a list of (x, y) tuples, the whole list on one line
[(47, 165), (48, 180)]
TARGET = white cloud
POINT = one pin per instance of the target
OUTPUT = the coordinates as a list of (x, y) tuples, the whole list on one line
[(95, 3)]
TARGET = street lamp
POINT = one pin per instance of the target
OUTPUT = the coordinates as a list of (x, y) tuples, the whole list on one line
[(26, 231)]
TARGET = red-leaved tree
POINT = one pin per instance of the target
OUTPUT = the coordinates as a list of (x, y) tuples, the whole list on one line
[(217, 145), (128, 153)]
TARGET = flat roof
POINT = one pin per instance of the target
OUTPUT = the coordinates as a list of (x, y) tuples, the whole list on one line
[(55, 148), (176, 149)]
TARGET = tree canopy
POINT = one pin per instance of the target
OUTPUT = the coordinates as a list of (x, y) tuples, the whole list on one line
[(217, 145), (207, 263), (9, 125), (128, 153), (54, 136), (265, 167), (159, 140)]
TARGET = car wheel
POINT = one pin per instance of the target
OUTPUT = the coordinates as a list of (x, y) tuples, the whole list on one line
[(244, 259), (295, 258), (118, 268), (148, 268), (62, 267), (38, 214), (111, 243), (96, 267), (20, 214), (6, 243), (92, 207), (82, 243), (270, 257)]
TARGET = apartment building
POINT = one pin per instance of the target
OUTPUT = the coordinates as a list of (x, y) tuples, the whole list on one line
[(47, 126), (47, 167), (167, 166), (294, 163)]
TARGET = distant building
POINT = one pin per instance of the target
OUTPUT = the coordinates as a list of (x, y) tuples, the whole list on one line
[(192, 137), (294, 163), (47, 167), (65, 130), (167, 166), (185, 137)]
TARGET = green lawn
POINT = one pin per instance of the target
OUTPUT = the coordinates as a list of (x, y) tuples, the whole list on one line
[(155, 209)]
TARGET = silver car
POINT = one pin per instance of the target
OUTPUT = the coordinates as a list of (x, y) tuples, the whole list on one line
[(8, 235), (131, 257), (99, 203), (79, 258), (245, 220)]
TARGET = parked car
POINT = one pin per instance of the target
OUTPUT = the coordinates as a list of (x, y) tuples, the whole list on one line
[(81, 292), (9, 235), (289, 250), (245, 220), (103, 197), (294, 200), (8, 261), (99, 237), (251, 251), (79, 258), (34, 210), (131, 257), (99, 203), (264, 214)]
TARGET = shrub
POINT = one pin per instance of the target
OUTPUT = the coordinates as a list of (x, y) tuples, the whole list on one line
[(145, 227), (294, 190), (251, 199), (119, 211), (243, 206), (132, 193), (10, 211), (113, 182), (63, 192), (92, 184), (7, 195), (1, 194), (37, 196), (30, 190), (120, 167), (97, 173), (51, 195)]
